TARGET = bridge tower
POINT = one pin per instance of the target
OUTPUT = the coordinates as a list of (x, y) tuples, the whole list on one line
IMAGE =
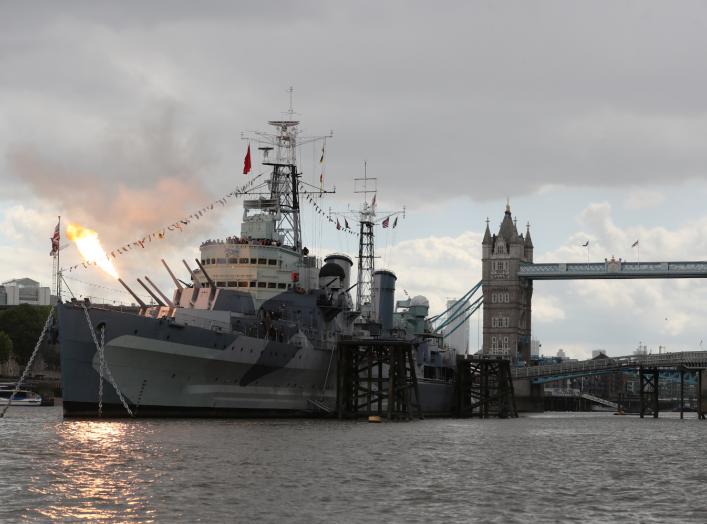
[(507, 298)]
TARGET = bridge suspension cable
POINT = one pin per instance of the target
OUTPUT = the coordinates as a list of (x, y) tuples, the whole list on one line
[(479, 302), (456, 314), (459, 303)]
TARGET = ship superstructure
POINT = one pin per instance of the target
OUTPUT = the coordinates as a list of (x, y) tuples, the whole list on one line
[(256, 330)]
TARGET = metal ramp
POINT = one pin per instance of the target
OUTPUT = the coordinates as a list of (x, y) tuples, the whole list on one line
[(600, 400)]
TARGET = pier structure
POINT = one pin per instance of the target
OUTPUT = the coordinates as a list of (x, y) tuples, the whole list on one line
[(484, 387), (376, 377), (649, 368)]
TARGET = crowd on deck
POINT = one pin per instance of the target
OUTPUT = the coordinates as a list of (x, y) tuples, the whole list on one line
[(239, 240)]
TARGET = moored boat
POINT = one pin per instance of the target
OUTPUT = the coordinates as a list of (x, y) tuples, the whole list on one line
[(255, 331)]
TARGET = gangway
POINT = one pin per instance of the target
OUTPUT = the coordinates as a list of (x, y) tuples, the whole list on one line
[(599, 400)]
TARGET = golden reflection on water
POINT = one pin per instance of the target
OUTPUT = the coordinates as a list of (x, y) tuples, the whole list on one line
[(96, 475)]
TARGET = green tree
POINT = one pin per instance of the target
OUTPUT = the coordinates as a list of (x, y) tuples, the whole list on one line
[(5, 347), (23, 324)]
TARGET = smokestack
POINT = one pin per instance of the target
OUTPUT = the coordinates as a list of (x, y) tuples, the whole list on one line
[(384, 285)]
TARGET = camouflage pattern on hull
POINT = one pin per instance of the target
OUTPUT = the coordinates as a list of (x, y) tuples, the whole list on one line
[(167, 369), (159, 365)]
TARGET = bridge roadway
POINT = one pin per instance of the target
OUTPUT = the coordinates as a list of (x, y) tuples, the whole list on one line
[(612, 269), (688, 360)]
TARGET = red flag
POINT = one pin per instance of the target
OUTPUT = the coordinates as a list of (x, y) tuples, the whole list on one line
[(55, 241), (246, 162), (386, 222), (338, 226)]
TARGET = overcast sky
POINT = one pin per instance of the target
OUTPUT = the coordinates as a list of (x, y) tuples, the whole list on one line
[(591, 117)]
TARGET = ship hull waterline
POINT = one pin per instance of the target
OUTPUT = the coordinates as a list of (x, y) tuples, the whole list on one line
[(169, 370)]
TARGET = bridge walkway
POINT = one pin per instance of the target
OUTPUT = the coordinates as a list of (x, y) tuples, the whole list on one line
[(688, 360)]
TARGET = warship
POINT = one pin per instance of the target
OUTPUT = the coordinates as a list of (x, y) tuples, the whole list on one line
[(255, 331)]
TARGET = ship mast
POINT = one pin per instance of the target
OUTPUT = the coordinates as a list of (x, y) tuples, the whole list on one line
[(283, 185), (283, 182), (366, 243)]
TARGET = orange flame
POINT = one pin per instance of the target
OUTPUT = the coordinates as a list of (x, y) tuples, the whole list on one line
[(90, 248)]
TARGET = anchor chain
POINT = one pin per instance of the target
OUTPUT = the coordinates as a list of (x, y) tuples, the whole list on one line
[(109, 375), (29, 362), (101, 365)]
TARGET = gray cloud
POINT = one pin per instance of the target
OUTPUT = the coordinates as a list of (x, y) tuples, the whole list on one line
[(483, 99)]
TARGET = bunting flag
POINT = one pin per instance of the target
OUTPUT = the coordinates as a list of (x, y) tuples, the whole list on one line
[(386, 222), (395, 222), (373, 202), (343, 229), (321, 159), (246, 162), (55, 241), (161, 234)]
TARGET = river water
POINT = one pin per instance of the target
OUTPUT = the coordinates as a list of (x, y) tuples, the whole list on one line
[(545, 468)]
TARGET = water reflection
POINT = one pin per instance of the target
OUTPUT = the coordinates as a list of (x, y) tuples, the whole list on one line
[(562, 468), (95, 474)]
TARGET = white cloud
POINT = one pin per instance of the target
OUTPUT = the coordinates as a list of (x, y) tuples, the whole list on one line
[(616, 314), (25, 224), (644, 199), (547, 309), (439, 268)]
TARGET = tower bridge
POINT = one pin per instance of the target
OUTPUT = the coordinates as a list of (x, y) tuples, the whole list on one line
[(508, 272)]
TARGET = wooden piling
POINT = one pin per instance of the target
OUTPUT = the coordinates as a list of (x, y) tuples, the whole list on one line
[(682, 391), (393, 393), (484, 387), (700, 408)]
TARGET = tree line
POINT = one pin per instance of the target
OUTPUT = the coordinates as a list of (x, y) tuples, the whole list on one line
[(20, 327)]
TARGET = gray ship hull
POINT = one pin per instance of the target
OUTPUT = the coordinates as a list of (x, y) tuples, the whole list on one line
[(166, 369)]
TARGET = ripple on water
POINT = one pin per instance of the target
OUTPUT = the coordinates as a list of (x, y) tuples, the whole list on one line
[(556, 468)]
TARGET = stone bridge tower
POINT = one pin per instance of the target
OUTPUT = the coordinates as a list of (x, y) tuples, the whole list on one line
[(507, 298)]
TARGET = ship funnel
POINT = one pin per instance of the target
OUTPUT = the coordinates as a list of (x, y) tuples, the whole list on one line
[(345, 263), (384, 293)]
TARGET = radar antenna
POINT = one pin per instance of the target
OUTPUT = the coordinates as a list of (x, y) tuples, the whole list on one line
[(283, 185)]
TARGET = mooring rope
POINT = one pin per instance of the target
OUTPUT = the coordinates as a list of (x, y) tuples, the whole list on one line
[(29, 362)]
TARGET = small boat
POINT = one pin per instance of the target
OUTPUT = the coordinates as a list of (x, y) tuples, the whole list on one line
[(23, 397)]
